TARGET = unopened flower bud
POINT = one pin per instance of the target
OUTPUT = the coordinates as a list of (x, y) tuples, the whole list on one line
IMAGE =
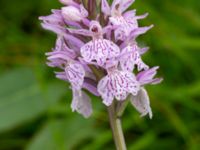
[(71, 13), (66, 2)]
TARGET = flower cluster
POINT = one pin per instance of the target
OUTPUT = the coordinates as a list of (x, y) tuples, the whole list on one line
[(96, 51)]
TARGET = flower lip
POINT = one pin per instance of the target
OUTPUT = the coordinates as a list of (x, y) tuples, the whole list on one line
[(117, 84)]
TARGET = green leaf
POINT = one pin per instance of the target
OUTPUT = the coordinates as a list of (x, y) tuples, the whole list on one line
[(144, 141), (63, 134), (22, 99)]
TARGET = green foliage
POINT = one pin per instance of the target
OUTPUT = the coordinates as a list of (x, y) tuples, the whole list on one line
[(35, 109)]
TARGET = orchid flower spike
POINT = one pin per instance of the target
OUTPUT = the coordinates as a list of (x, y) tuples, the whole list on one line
[(97, 51)]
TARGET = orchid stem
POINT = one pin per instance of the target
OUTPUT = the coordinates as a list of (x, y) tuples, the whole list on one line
[(115, 123)]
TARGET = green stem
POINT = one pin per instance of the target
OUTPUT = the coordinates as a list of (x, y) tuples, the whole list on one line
[(121, 106), (116, 126)]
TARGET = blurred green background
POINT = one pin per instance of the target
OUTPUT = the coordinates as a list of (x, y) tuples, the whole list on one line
[(35, 109)]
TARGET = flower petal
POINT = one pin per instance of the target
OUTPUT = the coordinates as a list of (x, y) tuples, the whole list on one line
[(69, 2), (126, 4), (115, 6), (132, 85), (54, 18), (126, 63), (117, 84), (71, 13), (81, 103), (143, 50), (91, 86), (105, 7), (75, 74), (138, 31), (54, 28), (80, 32), (147, 76), (83, 11), (99, 50), (141, 103), (130, 14), (105, 92), (87, 52), (131, 57)]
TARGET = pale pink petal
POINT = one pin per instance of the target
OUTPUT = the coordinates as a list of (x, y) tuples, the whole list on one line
[(141, 16), (91, 86), (83, 11), (105, 7), (143, 50), (61, 76), (69, 2), (147, 76), (59, 30), (71, 13), (80, 32), (141, 30), (130, 14), (115, 6), (81, 103), (141, 103), (73, 42), (126, 4)]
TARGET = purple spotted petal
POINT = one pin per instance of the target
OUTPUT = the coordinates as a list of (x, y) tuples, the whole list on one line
[(75, 74), (99, 50), (125, 26), (117, 84), (104, 91), (132, 58)]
